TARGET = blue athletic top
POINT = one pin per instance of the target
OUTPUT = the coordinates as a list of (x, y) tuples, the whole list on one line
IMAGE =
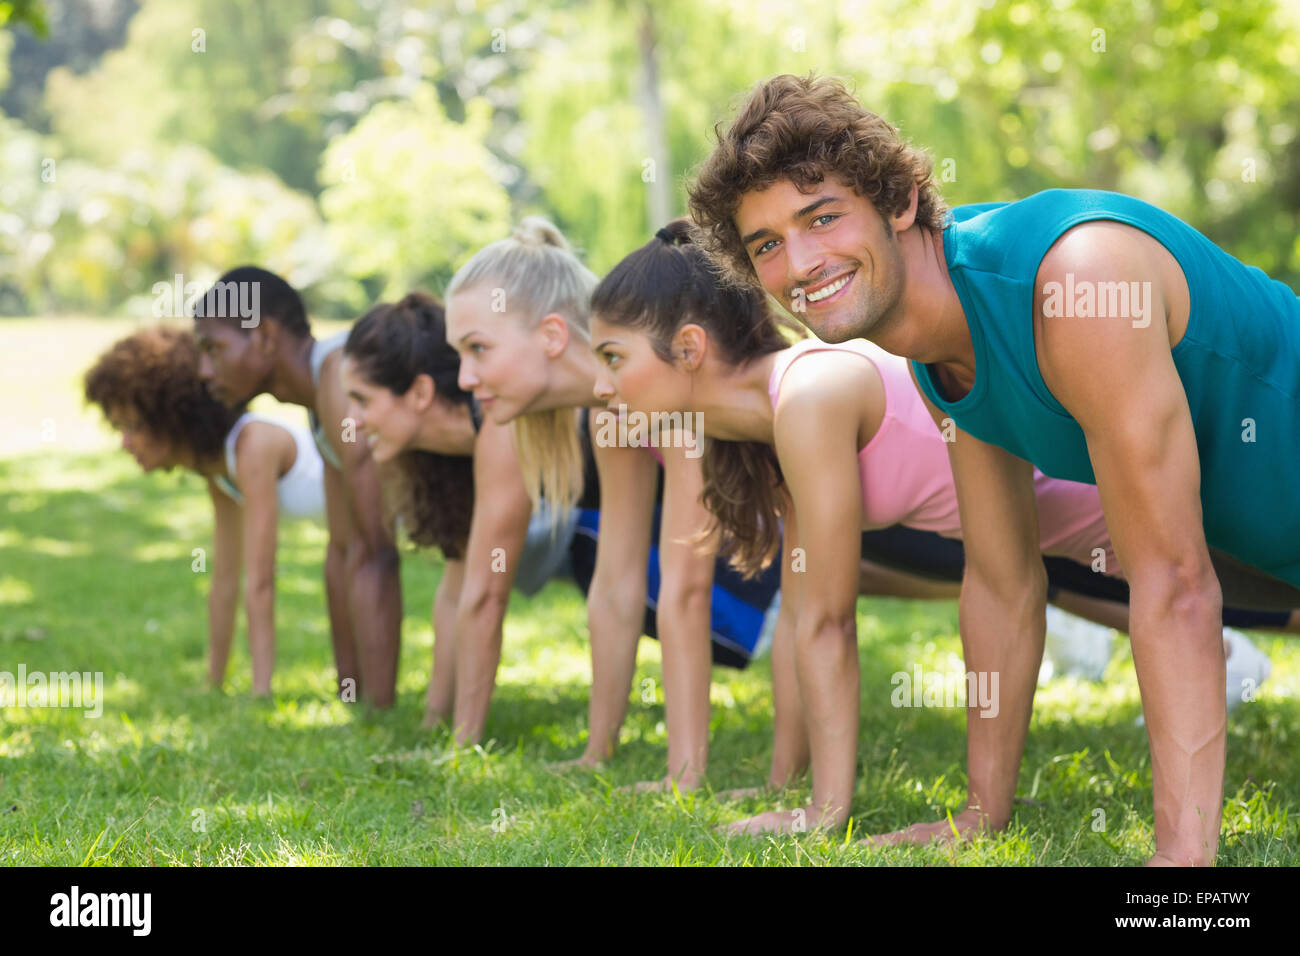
[(1239, 362), (742, 611)]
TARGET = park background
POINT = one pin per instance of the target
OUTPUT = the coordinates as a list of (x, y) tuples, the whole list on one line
[(363, 149)]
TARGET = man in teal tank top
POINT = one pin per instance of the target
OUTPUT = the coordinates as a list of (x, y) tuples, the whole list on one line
[(1238, 359), (1086, 333)]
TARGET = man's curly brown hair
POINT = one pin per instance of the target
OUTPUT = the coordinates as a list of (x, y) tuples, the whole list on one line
[(153, 375), (803, 129)]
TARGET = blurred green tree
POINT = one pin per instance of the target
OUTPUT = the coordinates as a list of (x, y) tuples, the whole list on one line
[(409, 194), (27, 13)]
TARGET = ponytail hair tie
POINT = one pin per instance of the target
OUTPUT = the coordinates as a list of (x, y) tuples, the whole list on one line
[(666, 236)]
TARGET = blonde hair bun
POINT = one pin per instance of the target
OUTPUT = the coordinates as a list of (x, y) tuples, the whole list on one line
[(536, 231)]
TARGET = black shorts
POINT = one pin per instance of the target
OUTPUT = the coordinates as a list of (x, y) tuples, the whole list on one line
[(930, 555)]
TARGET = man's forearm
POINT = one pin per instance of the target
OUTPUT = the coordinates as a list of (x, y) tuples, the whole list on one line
[(1178, 655), (375, 605), (336, 600), (827, 660)]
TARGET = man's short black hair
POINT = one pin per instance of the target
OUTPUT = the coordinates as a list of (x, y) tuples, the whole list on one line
[(273, 297)]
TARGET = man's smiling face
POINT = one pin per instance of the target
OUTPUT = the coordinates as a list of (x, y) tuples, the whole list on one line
[(825, 254)]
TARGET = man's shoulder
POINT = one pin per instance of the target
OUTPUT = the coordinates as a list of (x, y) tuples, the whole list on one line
[(1046, 203), (1010, 238)]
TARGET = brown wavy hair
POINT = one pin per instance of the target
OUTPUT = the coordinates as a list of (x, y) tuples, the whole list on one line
[(803, 129), (670, 282), (390, 345), (154, 374)]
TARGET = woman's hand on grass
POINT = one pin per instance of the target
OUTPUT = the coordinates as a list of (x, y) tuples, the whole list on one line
[(967, 824), (779, 821), (745, 793), (588, 761), (663, 785)]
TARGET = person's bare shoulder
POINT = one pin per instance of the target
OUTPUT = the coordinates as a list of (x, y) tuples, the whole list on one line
[(265, 444), (838, 391), (1100, 312)]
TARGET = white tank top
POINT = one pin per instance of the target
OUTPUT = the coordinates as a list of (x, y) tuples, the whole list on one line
[(301, 489), (320, 350)]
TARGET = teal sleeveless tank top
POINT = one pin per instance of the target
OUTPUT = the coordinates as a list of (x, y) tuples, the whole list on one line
[(1239, 362)]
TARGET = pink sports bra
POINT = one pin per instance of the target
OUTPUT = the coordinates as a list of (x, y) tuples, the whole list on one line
[(907, 478)]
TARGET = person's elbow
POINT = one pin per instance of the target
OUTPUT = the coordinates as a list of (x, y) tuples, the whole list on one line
[(685, 600), (1020, 591), (614, 600), (225, 589), (376, 556), (827, 630), (481, 603), (336, 553), (259, 588), (1184, 587)]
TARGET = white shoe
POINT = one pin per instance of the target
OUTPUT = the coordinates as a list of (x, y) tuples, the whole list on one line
[(1248, 667), (1075, 647)]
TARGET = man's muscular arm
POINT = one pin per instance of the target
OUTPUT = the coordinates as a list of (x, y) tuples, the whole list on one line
[(1116, 376), (373, 585)]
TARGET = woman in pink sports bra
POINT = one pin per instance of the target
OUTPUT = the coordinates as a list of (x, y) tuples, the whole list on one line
[(833, 439), (904, 470)]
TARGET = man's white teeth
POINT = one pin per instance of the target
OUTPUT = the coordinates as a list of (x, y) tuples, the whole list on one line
[(829, 290)]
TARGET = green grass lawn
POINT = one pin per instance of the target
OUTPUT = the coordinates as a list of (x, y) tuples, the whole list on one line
[(95, 575)]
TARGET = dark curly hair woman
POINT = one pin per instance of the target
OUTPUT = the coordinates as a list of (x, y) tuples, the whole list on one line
[(255, 467)]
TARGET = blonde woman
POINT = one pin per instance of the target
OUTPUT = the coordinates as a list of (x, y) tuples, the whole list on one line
[(517, 312)]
